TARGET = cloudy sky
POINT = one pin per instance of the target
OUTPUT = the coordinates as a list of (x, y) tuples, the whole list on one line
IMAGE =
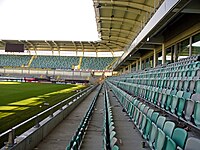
[(48, 20)]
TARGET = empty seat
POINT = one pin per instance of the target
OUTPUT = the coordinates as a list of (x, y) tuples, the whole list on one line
[(192, 144), (190, 106), (160, 121), (169, 128), (175, 100), (179, 136), (170, 144), (197, 113), (160, 140)]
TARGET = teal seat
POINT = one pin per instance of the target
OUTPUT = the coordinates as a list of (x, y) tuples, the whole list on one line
[(175, 100), (189, 109), (170, 144), (197, 86), (149, 113), (152, 135), (160, 121), (169, 128), (160, 140), (154, 116), (142, 126), (113, 141), (164, 98), (197, 113), (115, 147), (147, 129), (179, 136), (169, 99), (180, 107)]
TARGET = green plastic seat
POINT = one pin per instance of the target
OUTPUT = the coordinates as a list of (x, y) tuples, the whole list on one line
[(169, 99), (136, 118), (197, 86), (149, 113), (160, 121), (152, 135), (164, 97), (169, 128), (147, 129), (170, 144), (189, 109), (179, 136), (180, 107), (112, 134), (154, 116), (160, 140), (113, 141), (197, 113), (115, 147), (142, 126), (175, 100)]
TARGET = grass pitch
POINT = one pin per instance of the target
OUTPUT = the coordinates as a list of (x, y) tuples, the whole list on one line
[(20, 101)]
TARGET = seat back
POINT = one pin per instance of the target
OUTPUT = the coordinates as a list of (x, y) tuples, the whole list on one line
[(160, 140), (179, 136), (169, 128), (192, 144), (170, 144), (160, 122), (154, 117), (196, 113)]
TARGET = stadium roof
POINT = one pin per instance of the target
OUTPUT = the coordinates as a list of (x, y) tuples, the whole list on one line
[(118, 23)]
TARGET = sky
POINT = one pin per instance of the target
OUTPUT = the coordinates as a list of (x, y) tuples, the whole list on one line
[(61, 20)]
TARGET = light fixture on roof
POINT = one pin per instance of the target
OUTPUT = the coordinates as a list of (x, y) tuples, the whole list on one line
[(147, 39)]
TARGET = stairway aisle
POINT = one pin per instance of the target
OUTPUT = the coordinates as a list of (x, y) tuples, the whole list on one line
[(93, 139)]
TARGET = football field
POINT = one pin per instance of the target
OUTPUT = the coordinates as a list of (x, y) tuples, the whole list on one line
[(20, 101)]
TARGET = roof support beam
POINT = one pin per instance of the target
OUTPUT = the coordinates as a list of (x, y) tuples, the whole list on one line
[(122, 3), (125, 20)]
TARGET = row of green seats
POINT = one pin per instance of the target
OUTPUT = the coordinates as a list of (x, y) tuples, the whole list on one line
[(183, 104), (14, 60), (160, 133), (96, 63), (109, 132), (55, 62)]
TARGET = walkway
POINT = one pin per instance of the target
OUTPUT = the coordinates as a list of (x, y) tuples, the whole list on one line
[(62, 134), (93, 139)]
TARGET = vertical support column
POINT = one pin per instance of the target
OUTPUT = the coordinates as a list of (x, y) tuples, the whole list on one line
[(137, 65), (155, 58), (175, 52), (172, 54), (163, 54), (140, 63), (124, 69), (130, 69), (190, 46)]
